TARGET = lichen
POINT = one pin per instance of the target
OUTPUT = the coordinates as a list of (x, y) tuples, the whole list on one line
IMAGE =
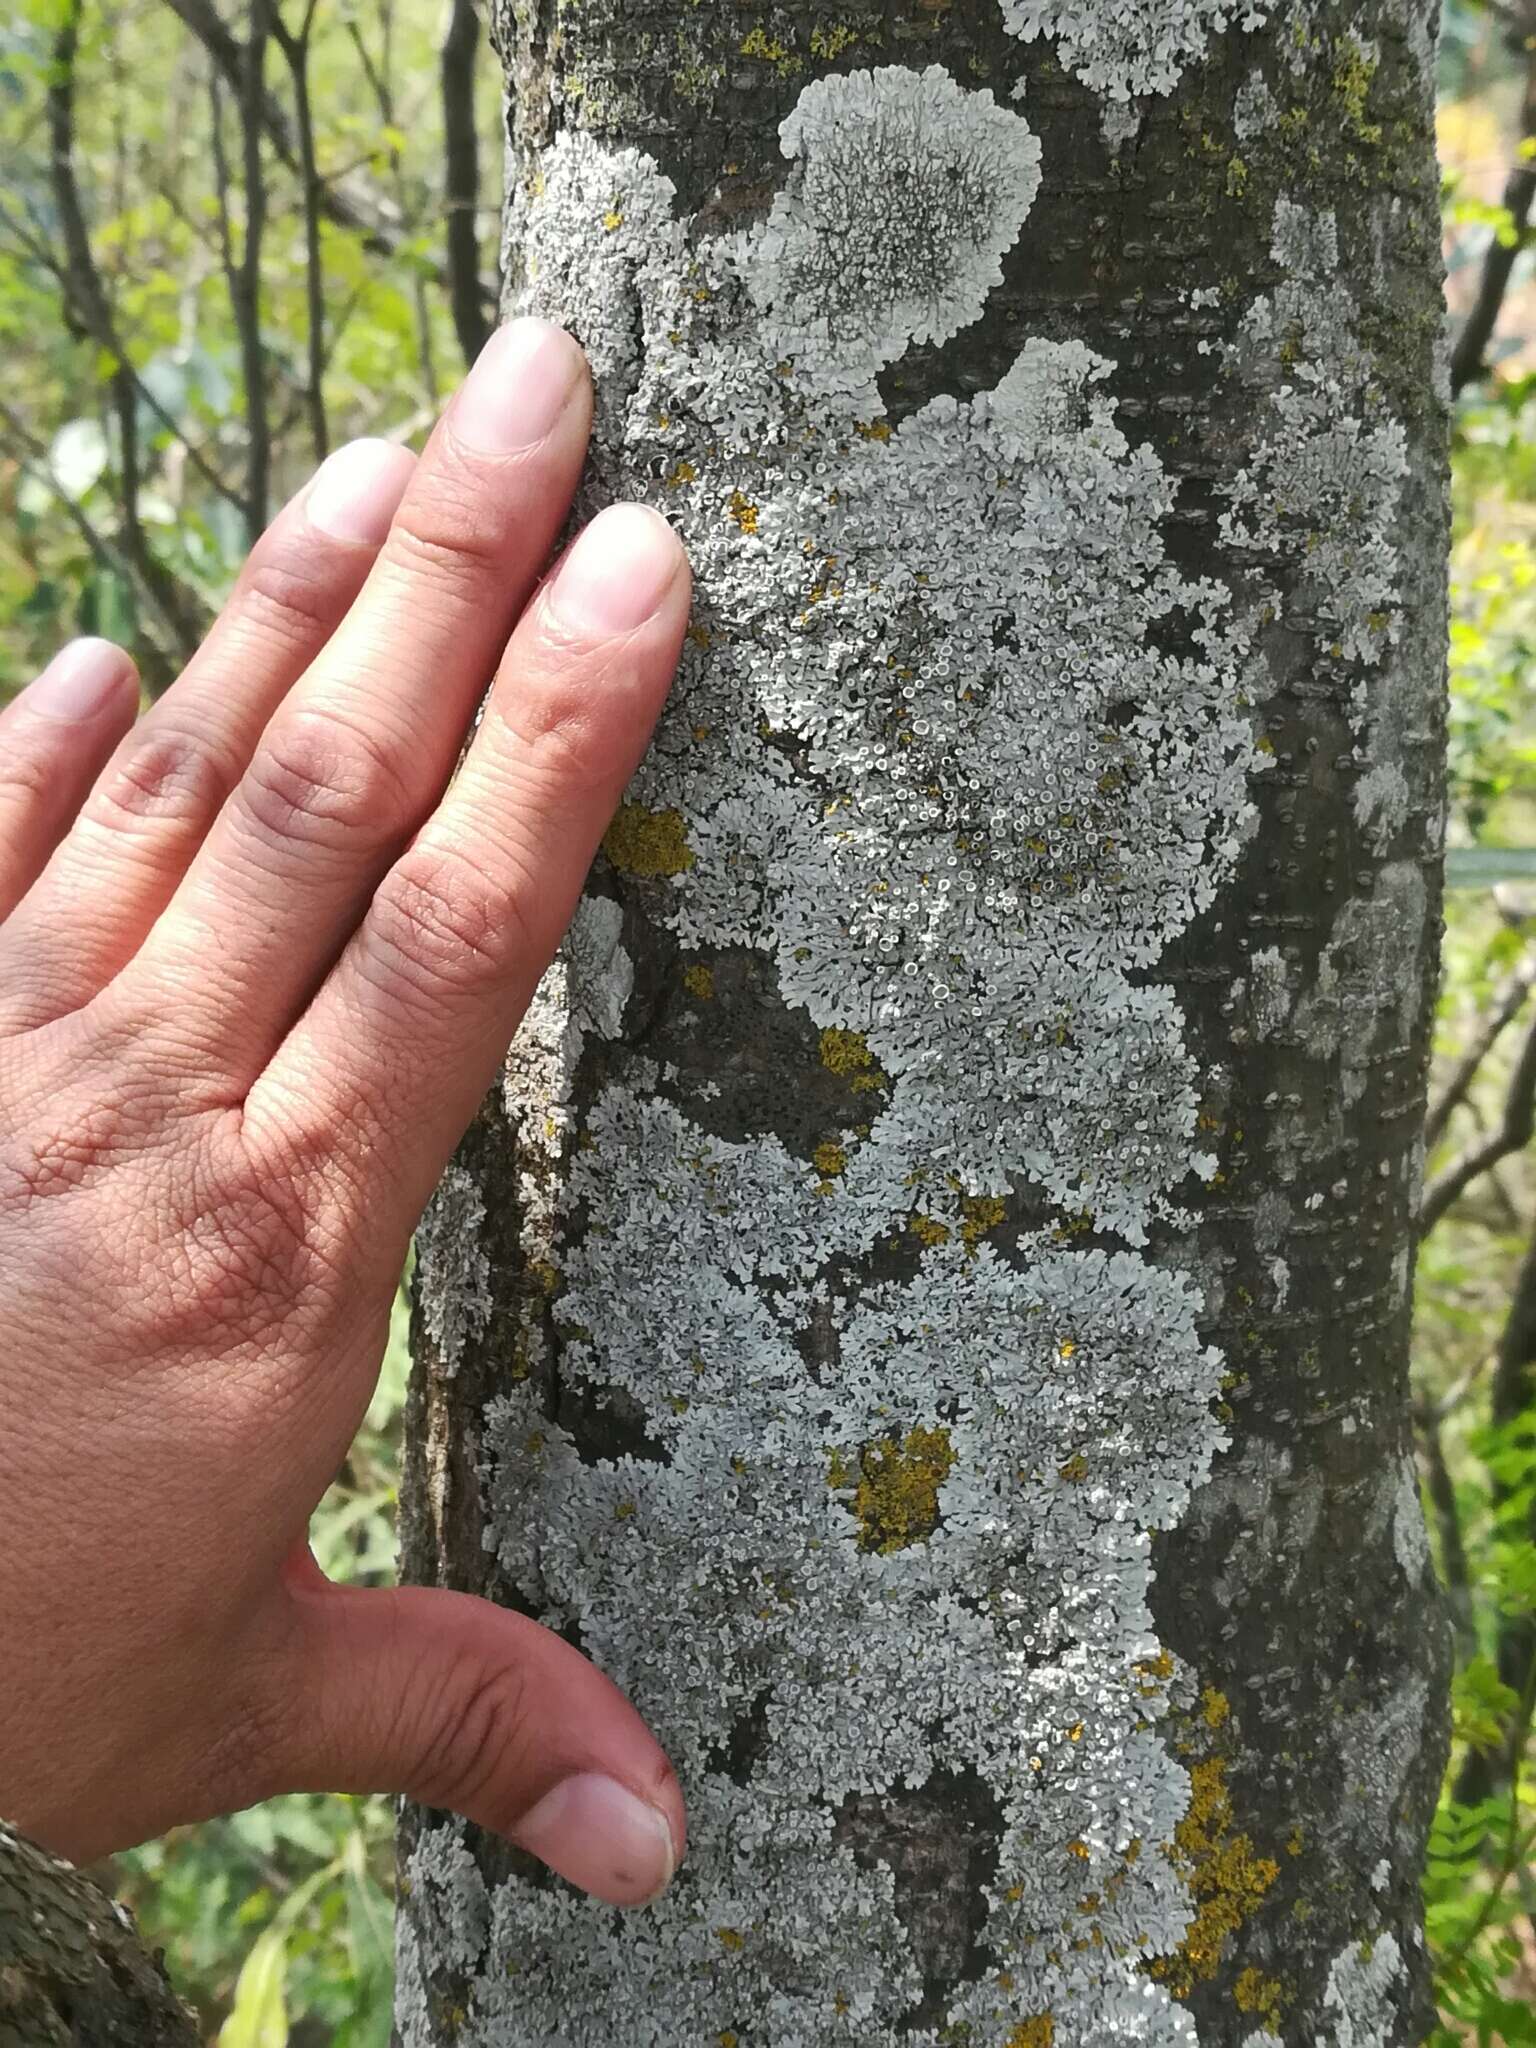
[(453, 1273), (957, 752), (1358, 2006), (897, 1500), (642, 842), (1125, 50), (1226, 1878), (843, 280)]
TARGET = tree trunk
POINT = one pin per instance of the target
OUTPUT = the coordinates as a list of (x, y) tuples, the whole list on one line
[(928, 1309), (72, 1971)]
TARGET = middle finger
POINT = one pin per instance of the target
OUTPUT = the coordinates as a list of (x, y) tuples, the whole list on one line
[(361, 748)]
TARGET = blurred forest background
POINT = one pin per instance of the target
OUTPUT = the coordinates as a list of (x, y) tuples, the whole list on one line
[(231, 239)]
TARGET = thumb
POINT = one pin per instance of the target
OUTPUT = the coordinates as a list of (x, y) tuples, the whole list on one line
[(459, 1704)]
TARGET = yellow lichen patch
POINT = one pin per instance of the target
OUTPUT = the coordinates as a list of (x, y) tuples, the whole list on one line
[(681, 473), (1215, 1707), (1254, 1992), (1075, 1470), (1066, 1348), (1160, 1666), (1038, 2031), (1225, 1879), (727, 2040), (731, 1938), (1295, 1843), (1079, 1849), (897, 1499), (928, 1229), (613, 219), (847, 1053), (624, 1511), (830, 43), (699, 981), (769, 50), (743, 511), (829, 1158), (546, 1275), (982, 1213), (642, 842), (873, 430)]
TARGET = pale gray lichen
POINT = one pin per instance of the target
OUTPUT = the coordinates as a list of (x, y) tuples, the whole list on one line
[(1358, 2006), (849, 269), (454, 1275), (1410, 1538), (1321, 490), (929, 756), (1122, 50)]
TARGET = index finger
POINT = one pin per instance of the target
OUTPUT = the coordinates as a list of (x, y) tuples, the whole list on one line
[(407, 1032)]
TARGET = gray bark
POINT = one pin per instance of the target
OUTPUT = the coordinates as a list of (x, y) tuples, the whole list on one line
[(928, 1309), (73, 1973)]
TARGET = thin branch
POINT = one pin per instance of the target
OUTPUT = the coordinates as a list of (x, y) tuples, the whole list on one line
[(353, 203), (1513, 1133), (1468, 357), (1454, 1568), (88, 295), (461, 176), (32, 460), (295, 48), (1506, 1006)]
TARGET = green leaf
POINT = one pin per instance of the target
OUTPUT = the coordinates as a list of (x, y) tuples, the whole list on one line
[(259, 2016)]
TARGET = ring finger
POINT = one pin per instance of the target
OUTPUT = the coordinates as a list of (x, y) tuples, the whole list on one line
[(156, 798)]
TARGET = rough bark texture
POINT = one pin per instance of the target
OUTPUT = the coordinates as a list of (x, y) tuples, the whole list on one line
[(928, 1310), (73, 1973)]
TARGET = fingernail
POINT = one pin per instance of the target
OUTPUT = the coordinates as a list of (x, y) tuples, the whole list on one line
[(356, 490), (521, 383), (595, 1833), (620, 569), (81, 680)]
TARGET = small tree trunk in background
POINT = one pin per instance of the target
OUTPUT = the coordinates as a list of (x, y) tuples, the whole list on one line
[(928, 1309), (72, 1971)]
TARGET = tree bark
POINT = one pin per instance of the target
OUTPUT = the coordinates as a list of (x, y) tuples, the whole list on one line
[(928, 1309), (72, 1971)]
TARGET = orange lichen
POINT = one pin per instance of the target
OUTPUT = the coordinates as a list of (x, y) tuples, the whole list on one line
[(1225, 1879), (896, 1502)]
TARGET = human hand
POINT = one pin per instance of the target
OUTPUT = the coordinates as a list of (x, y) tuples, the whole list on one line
[(250, 997)]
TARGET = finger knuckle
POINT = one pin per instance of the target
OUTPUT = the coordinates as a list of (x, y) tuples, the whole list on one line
[(439, 926), (321, 781), (160, 776), (29, 777), (293, 591), (469, 1723), (451, 529)]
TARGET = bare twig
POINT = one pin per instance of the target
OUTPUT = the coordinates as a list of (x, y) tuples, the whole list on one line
[(1468, 357), (461, 176), (88, 295), (1454, 1568), (295, 46), (32, 458), (1506, 1006), (1513, 1133)]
